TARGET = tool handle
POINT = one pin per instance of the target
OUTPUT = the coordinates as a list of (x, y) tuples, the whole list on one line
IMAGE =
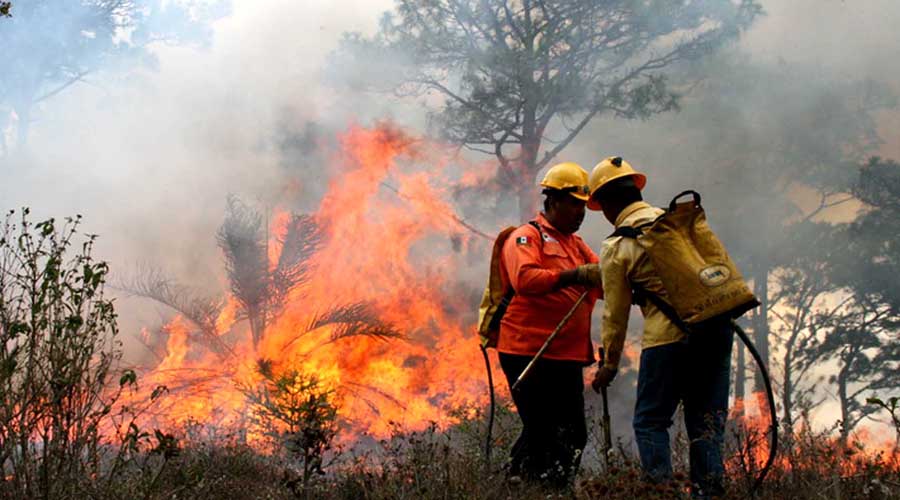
[(544, 347), (607, 431)]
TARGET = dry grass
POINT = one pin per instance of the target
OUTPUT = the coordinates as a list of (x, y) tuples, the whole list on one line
[(449, 464)]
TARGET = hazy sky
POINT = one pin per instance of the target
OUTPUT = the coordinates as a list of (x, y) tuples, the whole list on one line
[(149, 161)]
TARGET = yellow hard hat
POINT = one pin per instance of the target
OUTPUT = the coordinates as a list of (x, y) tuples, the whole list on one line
[(567, 176), (608, 170)]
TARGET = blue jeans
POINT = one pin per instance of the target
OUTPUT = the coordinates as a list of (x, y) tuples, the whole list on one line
[(696, 372)]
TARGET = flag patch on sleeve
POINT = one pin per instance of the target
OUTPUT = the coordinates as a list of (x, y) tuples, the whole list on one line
[(522, 240)]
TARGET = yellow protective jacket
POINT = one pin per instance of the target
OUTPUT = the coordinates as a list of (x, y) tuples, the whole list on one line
[(624, 262)]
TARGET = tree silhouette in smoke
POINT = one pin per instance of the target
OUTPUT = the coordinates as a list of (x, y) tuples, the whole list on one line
[(863, 335), (520, 80), (775, 149)]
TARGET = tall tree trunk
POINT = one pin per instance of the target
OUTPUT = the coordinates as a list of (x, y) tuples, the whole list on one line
[(787, 389), (528, 189), (528, 201), (740, 379), (845, 406), (257, 324), (761, 326)]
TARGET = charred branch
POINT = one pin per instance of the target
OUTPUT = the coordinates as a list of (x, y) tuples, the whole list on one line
[(242, 240)]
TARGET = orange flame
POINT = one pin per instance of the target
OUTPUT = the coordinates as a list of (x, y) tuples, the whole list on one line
[(805, 449), (389, 231)]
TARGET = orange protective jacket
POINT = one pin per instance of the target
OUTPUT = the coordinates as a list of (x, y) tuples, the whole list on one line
[(532, 268)]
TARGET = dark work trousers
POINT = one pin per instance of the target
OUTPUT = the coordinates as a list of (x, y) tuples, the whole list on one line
[(695, 372), (550, 403)]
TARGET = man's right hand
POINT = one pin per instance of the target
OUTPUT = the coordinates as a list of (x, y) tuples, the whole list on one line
[(588, 275), (603, 377)]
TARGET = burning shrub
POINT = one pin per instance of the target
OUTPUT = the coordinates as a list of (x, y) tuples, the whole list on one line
[(298, 410)]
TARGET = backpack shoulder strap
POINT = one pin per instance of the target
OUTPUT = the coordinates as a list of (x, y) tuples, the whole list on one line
[(631, 231), (626, 232), (640, 294), (540, 231)]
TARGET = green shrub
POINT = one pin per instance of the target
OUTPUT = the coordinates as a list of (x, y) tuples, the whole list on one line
[(60, 350)]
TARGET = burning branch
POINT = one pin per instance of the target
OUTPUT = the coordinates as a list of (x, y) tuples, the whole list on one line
[(353, 320), (459, 220), (260, 291), (301, 241), (152, 283)]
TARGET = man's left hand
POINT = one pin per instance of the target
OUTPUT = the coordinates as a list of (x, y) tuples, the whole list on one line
[(589, 275), (603, 377)]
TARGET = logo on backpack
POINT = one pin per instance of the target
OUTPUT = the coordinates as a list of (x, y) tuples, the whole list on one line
[(715, 275)]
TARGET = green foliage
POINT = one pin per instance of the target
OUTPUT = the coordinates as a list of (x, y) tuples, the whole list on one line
[(59, 352), (58, 332), (840, 304), (299, 411), (4, 9), (65, 429), (873, 254), (861, 333)]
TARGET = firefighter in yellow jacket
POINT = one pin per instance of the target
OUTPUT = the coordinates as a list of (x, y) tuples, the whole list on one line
[(674, 368)]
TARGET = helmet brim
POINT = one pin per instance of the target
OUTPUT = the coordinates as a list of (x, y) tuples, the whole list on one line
[(583, 196), (580, 196), (640, 180)]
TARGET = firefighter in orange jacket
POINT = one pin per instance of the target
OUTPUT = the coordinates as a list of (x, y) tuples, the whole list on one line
[(549, 267)]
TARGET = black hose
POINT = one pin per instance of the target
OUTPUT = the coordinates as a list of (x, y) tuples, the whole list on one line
[(773, 450), (490, 427)]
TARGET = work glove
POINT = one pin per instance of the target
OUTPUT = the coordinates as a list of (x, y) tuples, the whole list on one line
[(588, 275), (603, 377)]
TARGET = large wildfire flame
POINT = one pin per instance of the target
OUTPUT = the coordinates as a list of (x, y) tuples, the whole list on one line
[(389, 239)]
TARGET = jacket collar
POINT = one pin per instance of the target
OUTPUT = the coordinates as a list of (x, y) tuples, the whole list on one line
[(547, 227), (630, 210)]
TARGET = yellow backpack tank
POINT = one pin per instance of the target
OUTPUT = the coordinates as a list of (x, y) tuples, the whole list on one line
[(496, 298), (699, 276)]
